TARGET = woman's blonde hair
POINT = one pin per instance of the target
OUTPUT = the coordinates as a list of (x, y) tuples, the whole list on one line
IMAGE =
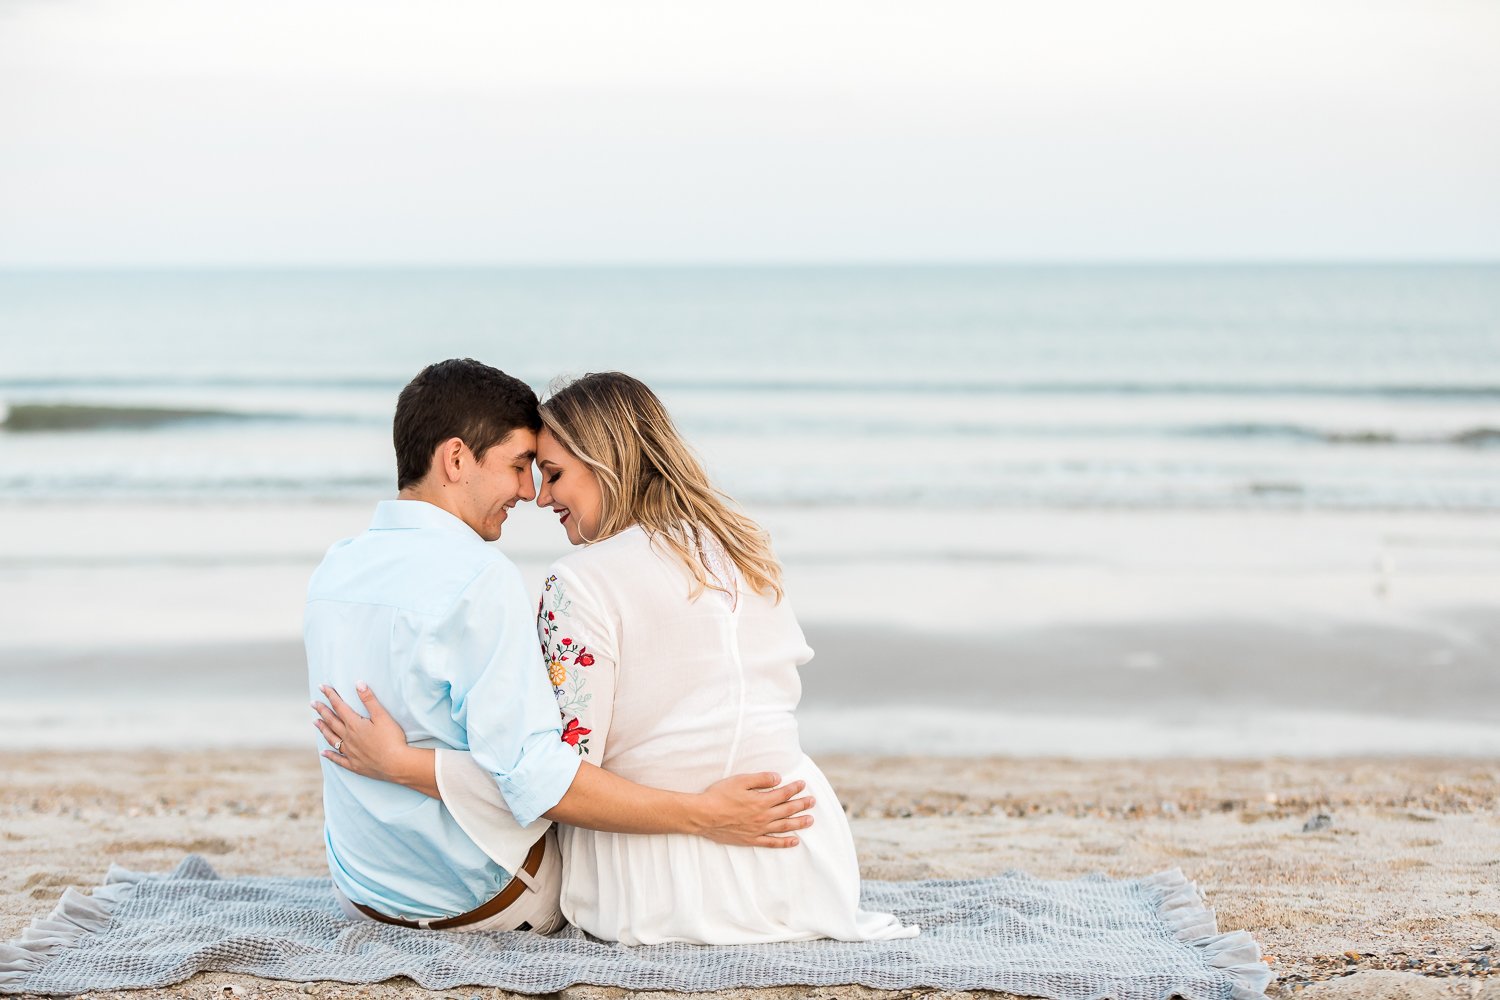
[(648, 476)]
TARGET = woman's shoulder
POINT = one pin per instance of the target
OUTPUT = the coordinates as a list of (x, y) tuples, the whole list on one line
[(603, 556)]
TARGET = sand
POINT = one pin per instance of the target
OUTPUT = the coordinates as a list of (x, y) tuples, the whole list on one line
[(1396, 897)]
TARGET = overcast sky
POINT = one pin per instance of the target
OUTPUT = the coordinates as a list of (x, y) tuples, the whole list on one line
[(146, 132)]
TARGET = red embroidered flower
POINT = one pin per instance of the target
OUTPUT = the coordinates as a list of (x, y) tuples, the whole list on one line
[(567, 642), (573, 732), (550, 615), (584, 657)]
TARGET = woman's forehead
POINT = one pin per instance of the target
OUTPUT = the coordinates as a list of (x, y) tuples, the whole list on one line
[(549, 450)]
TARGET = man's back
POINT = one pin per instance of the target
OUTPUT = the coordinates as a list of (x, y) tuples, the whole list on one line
[(426, 613)]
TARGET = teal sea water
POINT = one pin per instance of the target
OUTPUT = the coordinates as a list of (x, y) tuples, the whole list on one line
[(1358, 387)]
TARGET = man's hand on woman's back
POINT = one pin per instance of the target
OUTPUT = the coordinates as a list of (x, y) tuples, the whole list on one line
[(748, 810), (755, 810)]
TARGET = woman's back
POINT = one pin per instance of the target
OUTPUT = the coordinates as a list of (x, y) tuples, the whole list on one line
[(677, 693), (702, 689)]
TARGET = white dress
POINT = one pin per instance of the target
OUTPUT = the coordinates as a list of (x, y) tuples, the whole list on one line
[(676, 694)]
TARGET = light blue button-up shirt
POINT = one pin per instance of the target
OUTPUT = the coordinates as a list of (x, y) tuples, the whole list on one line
[(440, 626)]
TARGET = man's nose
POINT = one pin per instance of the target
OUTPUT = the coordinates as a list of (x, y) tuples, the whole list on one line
[(528, 487)]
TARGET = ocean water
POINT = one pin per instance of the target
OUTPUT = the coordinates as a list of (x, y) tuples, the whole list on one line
[(1060, 510), (1318, 387)]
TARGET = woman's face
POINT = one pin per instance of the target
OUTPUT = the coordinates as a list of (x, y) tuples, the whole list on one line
[(569, 487)]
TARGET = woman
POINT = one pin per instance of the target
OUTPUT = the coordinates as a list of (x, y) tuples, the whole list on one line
[(674, 659)]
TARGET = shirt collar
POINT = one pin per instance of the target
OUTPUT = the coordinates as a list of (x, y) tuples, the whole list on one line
[(397, 515)]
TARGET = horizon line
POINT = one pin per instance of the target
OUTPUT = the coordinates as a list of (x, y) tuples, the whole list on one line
[(767, 264)]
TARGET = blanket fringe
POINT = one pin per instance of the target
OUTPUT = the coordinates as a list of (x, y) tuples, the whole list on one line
[(74, 916), (1185, 911), (1177, 899)]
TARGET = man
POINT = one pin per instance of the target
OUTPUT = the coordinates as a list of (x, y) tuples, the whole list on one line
[(438, 621)]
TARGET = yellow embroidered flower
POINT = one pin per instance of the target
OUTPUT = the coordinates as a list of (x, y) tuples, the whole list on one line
[(557, 672)]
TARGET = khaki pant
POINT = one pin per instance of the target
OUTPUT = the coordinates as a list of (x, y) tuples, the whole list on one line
[(537, 907)]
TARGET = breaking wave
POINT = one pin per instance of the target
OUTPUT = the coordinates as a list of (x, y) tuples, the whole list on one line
[(1469, 437), (28, 417)]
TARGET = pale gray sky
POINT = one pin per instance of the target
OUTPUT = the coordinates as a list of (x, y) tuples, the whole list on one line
[(145, 132)]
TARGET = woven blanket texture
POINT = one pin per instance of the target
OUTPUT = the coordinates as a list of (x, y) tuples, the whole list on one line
[(1089, 939)]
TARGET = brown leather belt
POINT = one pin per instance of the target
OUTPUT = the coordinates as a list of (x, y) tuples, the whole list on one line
[(483, 911)]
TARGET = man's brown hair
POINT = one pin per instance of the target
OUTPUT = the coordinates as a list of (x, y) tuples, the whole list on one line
[(459, 398)]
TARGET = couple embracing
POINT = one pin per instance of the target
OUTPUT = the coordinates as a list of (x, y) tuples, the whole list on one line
[(629, 778)]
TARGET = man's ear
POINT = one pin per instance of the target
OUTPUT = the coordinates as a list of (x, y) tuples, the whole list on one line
[(449, 460)]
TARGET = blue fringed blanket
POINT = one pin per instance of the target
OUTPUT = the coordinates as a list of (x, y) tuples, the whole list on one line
[(1093, 938)]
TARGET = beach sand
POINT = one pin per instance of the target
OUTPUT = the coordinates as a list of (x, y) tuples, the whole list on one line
[(1398, 896)]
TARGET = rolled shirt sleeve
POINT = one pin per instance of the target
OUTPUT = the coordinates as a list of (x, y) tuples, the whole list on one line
[(502, 697)]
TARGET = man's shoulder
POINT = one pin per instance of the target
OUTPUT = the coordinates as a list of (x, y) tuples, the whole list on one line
[(425, 574), (492, 568), (334, 560)]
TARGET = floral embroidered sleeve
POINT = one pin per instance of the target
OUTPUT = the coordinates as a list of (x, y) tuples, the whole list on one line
[(578, 645)]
